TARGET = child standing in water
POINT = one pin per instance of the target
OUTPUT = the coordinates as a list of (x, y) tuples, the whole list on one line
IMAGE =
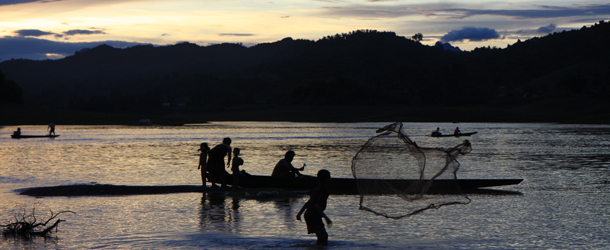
[(203, 160), (235, 166), (315, 209)]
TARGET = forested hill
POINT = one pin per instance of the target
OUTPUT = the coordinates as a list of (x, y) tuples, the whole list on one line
[(362, 67)]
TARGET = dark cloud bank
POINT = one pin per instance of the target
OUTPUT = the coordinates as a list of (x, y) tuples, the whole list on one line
[(470, 33), (479, 34), (37, 49)]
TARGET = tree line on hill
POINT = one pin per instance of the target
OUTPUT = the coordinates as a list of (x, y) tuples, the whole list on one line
[(355, 68)]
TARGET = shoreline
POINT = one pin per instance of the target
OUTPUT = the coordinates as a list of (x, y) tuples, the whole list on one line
[(550, 111)]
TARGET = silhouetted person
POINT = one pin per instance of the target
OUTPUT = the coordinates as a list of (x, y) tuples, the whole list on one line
[(437, 132), (457, 131), (315, 207), (18, 132), (203, 161), (237, 161), (284, 167), (51, 129), (216, 164)]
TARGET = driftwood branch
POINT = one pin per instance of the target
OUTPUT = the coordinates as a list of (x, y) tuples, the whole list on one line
[(26, 225)]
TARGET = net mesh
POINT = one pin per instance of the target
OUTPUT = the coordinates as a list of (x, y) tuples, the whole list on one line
[(396, 178)]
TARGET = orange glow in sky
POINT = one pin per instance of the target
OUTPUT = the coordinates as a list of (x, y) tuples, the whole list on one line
[(466, 24)]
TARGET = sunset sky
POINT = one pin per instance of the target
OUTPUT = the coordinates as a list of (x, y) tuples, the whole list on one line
[(55, 28)]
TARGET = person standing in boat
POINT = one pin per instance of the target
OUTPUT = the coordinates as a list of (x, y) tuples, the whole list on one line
[(216, 163), (457, 131), (237, 161), (284, 167), (314, 209), (203, 161), (51, 128)]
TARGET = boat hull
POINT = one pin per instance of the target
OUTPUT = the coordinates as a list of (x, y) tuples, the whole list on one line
[(338, 186), (452, 135), (32, 136), (374, 186)]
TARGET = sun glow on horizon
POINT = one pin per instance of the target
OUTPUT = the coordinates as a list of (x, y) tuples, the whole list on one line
[(214, 21)]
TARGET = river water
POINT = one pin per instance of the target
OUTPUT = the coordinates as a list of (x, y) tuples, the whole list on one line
[(564, 201)]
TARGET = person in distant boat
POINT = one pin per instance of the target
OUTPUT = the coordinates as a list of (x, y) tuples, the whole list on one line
[(437, 132), (237, 161), (18, 132), (51, 128), (457, 131), (203, 161), (284, 167), (216, 163), (314, 209)]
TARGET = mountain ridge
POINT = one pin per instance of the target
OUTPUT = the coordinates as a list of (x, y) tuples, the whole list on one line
[(359, 67)]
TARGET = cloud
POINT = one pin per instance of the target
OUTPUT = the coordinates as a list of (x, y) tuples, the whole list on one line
[(32, 32), (470, 33), (370, 12), (461, 11), (236, 34), (41, 49), (542, 11), (39, 33), (13, 2), (547, 29), (82, 32), (540, 31)]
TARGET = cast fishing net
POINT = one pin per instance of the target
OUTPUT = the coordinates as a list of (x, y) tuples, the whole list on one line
[(396, 178)]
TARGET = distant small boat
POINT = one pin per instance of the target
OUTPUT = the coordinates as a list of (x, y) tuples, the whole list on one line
[(33, 136), (454, 135)]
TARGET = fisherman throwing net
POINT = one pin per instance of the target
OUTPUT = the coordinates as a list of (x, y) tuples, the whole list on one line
[(396, 178)]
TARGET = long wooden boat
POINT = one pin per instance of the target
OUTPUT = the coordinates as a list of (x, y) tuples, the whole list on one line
[(33, 136), (374, 186), (453, 135), (254, 182)]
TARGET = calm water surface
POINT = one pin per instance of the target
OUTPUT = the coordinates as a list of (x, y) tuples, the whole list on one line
[(565, 200)]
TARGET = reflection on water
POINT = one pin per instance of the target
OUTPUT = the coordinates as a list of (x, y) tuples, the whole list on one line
[(218, 213)]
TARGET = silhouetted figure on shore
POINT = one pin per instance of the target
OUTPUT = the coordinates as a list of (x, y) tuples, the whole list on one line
[(203, 161), (237, 161), (284, 167), (216, 163), (315, 207), (51, 129), (457, 131)]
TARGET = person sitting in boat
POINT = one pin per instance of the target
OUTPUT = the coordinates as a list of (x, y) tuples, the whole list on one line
[(237, 161), (18, 132), (51, 129), (284, 167), (457, 131), (437, 132)]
